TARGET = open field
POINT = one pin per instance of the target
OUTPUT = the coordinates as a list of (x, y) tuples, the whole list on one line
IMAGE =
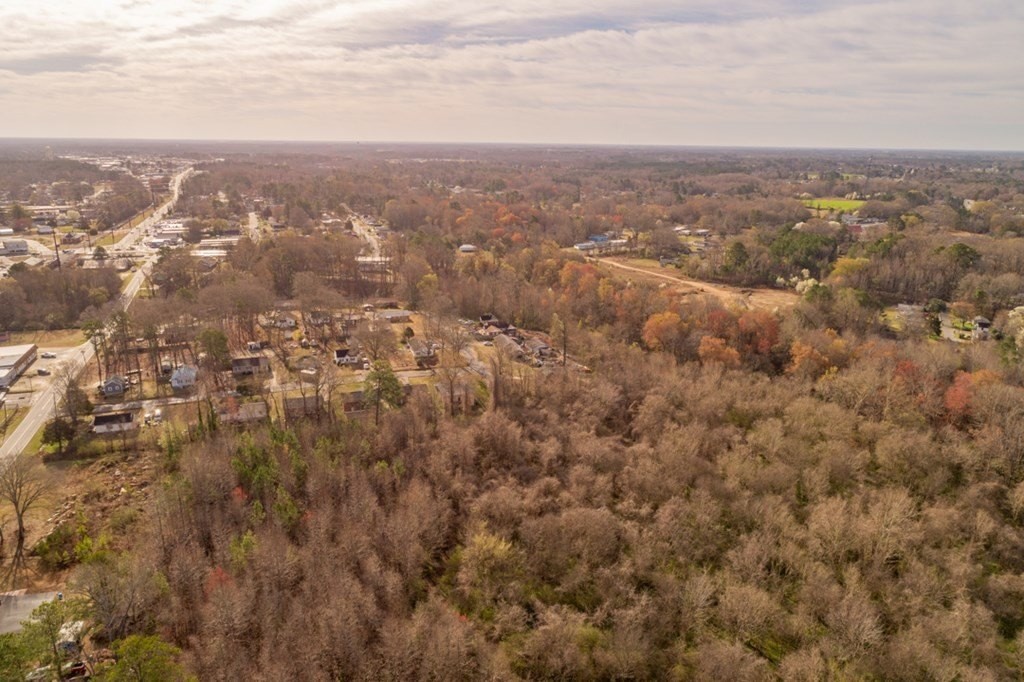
[(641, 269), (833, 204), (56, 338)]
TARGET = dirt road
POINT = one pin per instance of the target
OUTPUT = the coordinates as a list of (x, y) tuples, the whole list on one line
[(749, 298)]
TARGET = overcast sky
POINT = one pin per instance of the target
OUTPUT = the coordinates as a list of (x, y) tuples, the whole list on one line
[(946, 74)]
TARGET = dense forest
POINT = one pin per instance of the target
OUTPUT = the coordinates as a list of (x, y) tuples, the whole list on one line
[(652, 520), (33, 299)]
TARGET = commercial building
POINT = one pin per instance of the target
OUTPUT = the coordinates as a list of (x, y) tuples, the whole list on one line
[(14, 247), (13, 361)]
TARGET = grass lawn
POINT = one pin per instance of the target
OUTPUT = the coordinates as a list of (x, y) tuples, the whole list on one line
[(834, 204), (36, 443), (107, 239), (15, 416), (54, 338), (892, 319)]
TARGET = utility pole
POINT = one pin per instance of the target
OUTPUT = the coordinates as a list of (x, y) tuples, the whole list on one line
[(56, 250)]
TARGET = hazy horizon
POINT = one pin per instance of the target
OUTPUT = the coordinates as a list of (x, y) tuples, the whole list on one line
[(832, 74), (509, 144)]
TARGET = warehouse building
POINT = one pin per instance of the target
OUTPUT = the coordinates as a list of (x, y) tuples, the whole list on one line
[(13, 361)]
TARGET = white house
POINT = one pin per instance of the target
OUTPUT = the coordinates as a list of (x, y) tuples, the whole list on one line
[(184, 377), (420, 349), (344, 357)]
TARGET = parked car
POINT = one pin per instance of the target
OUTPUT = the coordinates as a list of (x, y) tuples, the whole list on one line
[(48, 355), (43, 372)]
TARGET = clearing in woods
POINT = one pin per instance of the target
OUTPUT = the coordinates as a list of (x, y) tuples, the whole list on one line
[(649, 271), (834, 204)]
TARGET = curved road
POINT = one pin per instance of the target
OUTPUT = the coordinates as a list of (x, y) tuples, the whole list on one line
[(44, 402)]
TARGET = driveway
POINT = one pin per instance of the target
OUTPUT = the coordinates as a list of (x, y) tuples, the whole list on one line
[(18, 606)]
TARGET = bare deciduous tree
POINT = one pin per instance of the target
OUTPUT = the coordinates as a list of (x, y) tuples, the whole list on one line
[(22, 484)]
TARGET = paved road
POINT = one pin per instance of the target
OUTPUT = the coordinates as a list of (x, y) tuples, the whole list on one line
[(18, 606), (364, 231), (254, 228), (44, 402), (368, 234)]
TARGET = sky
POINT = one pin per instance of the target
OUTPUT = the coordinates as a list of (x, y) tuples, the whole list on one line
[(906, 74)]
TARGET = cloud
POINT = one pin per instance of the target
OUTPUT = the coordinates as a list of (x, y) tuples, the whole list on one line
[(831, 73), (57, 62)]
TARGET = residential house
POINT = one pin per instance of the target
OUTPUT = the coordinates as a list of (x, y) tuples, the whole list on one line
[(114, 386), (344, 357), (114, 422), (489, 332), (395, 316), (505, 344), (319, 318), (982, 325), (537, 347), (353, 401), (421, 350), (231, 411), (184, 377), (460, 398), (349, 322), (250, 365), (13, 247), (302, 406)]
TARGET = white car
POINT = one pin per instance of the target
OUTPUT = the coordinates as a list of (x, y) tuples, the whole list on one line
[(47, 355)]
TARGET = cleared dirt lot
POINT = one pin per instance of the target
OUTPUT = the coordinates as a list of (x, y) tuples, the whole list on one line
[(650, 271)]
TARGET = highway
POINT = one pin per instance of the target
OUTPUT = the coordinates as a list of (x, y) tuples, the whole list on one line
[(45, 401)]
